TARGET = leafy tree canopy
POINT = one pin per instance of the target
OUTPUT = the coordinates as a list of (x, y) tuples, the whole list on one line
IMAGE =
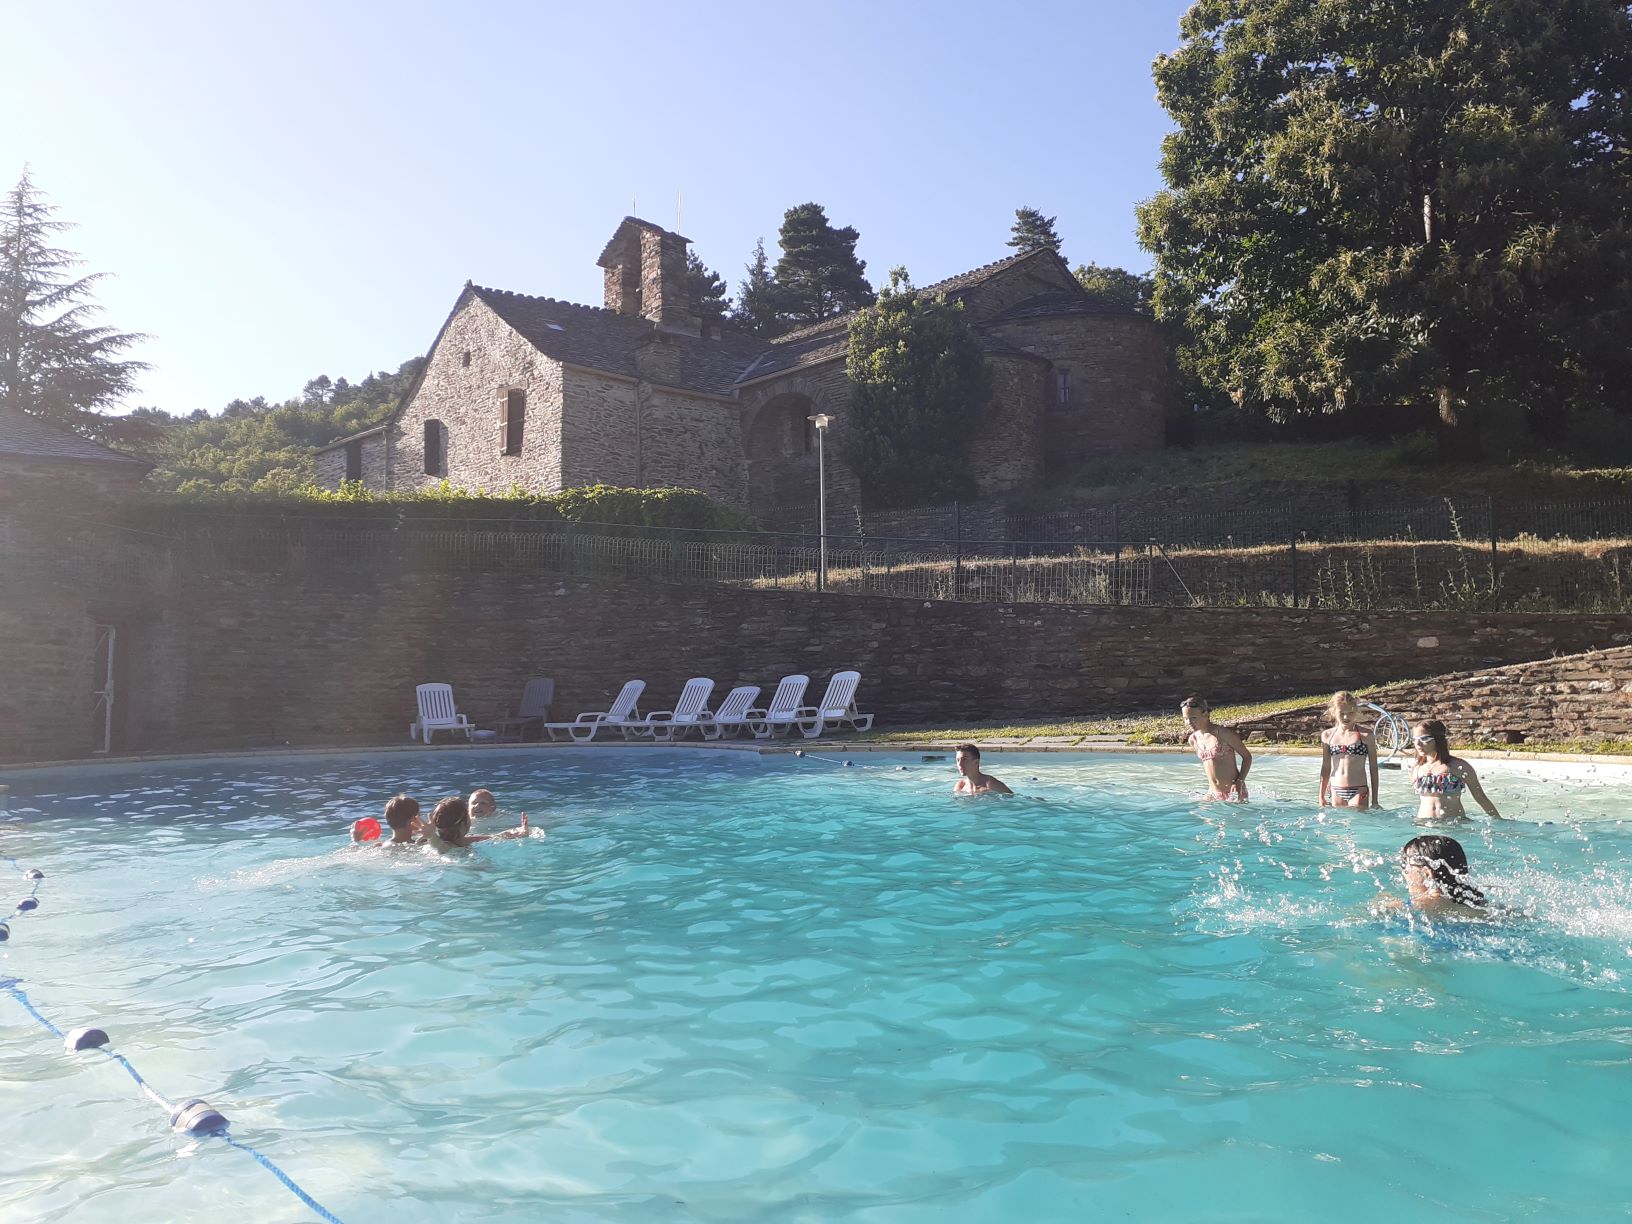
[(706, 287), (918, 381), (53, 362), (818, 275), (258, 446), (1117, 286), (1416, 200), (1033, 232)]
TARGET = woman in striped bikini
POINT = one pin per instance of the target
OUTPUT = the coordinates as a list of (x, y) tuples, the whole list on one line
[(1348, 760)]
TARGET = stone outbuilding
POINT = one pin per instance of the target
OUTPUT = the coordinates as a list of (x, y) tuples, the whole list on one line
[(642, 392)]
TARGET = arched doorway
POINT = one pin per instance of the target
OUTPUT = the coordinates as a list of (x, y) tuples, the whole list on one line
[(781, 450)]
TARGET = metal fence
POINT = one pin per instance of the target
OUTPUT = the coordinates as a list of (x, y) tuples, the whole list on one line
[(1563, 556)]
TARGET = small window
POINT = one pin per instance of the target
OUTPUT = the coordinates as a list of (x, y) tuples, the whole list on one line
[(464, 360), (354, 460), (436, 450), (1062, 386), (512, 417)]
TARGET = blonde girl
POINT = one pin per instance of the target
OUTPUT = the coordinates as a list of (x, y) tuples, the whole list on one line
[(1348, 759)]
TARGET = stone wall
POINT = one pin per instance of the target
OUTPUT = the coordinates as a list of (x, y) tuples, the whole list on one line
[(1007, 448), (1578, 696), (1120, 378), (1041, 274), (477, 358), (620, 432), (328, 656), (331, 463)]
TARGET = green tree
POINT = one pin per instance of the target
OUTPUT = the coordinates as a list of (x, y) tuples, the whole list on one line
[(1414, 201), (818, 275), (1117, 286), (918, 382), (53, 363), (1033, 232), (757, 309), (707, 288)]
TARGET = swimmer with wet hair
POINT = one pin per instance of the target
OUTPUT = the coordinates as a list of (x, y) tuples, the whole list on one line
[(402, 814), (450, 823), (970, 780), (1436, 877)]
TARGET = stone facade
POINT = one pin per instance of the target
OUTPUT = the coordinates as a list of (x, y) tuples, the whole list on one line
[(639, 392), (1586, 696)]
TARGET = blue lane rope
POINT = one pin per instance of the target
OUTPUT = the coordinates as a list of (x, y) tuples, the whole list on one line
[(14, 987)]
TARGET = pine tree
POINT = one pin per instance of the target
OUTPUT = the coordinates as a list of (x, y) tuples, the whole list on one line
[(52, 364), (707, 288), (818, 275), (918, 380), (1392, 203), (757, 308), (1033, 232)]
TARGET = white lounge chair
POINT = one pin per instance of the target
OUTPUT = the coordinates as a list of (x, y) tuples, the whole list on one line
[(783, 712), (690, 711), (437, 713), (621, 715), (837, 707), (733, 714)]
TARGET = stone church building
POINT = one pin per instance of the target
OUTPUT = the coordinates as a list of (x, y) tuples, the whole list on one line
[(641, 392)]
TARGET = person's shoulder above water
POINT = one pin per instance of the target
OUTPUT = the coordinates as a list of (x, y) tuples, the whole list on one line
[(971, 781)]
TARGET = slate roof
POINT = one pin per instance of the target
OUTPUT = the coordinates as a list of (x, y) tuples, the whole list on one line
[(1057, 305), (358, 436), (28, 436), (601, 339)]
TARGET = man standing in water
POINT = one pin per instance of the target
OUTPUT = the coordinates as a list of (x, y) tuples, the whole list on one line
[(970, 780), (1217, 748)]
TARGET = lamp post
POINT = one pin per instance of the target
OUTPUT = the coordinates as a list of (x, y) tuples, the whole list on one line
[(821, 420)]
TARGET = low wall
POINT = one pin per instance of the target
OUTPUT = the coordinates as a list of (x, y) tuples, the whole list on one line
[(1584, 696), (322, 657)]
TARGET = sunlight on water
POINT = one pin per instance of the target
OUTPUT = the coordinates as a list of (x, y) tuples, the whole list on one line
[(724, 987)]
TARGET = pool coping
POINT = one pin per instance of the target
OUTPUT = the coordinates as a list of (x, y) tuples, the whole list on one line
[(762, 748)]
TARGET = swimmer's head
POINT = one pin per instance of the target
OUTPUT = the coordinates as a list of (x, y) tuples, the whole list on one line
[(1342, 708), (1445, 862), (1194, 710), (451, 818), (482, 803), (1432, 740), (968, 759), (402, 813)]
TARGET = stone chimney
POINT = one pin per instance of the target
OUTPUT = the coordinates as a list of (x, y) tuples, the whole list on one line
[(646, 276)]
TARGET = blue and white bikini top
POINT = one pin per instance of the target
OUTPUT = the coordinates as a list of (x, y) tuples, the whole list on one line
[(1438, 784)]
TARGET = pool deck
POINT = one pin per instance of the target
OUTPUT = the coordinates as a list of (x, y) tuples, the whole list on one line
[(1086, 744)]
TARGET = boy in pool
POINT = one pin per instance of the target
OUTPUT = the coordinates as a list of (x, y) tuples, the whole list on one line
[(482, 804), (402, 814), (971, 781), (450, 825)]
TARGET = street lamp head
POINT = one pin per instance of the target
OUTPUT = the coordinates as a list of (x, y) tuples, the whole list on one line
[(821, 420)]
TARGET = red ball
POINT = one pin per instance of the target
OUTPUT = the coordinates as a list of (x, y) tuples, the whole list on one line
[(366, 829)]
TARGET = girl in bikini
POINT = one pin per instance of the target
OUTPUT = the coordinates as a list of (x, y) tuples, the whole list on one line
[(1217, 748), (1348, 762), (1436, 879), (1440, 778)]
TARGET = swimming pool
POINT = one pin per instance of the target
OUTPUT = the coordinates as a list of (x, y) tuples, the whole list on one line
[(727, 987)]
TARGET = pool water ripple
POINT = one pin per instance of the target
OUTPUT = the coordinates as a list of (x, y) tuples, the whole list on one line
[(732, 988)]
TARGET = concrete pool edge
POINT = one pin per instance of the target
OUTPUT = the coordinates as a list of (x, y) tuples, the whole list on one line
[(760, 748)]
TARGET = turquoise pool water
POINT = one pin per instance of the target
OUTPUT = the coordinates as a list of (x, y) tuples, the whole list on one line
[(732, 988)]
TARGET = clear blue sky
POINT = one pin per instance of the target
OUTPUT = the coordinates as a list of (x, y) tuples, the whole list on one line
[(280, 190)]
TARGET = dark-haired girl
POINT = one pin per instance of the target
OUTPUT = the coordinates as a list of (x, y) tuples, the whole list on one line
[(450, 825), (1436, 877), (1440, 778)]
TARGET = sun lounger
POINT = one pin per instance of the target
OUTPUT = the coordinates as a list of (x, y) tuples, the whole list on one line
[(733, 715), (836, 708), (534, 711), (437, 713), (621, 715), (688, 712), (783, 711)]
